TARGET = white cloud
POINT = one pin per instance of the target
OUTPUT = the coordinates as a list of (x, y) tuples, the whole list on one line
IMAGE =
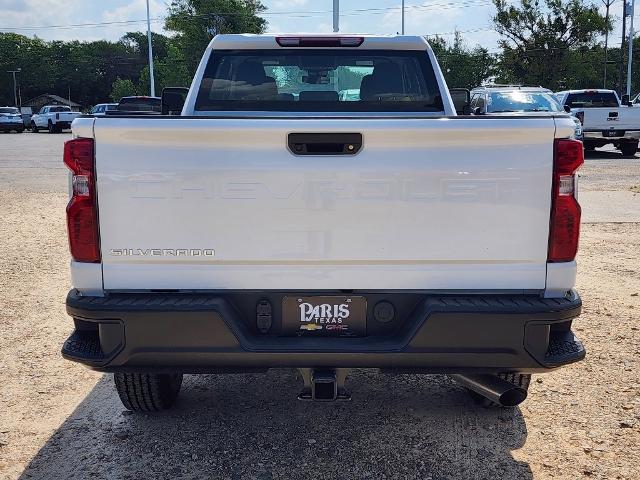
[(45, 13), (424, 19), (135, 10), (438, 18), (289, 4), (38, 13)]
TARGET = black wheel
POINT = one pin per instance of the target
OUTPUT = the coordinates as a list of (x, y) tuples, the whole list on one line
[(629, 149), (34, 127), (147, 392), (52, 129), (520, 379)]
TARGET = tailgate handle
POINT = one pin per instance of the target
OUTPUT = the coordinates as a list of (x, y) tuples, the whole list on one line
[(613, 114), (325, 143)]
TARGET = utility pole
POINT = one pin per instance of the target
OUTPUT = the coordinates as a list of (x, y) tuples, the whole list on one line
[(630, 60), (336, 15), (624, 37), (15, 88), (153, 83), (607, 4), (403, 17)]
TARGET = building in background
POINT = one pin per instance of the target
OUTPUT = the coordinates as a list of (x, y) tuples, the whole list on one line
[(49, 99)]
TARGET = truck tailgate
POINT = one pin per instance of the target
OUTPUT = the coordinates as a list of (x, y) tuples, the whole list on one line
[(604, 119), (221, 203)]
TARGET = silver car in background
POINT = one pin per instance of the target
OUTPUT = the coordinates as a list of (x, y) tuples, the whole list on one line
[(101, 109), (517, 100)]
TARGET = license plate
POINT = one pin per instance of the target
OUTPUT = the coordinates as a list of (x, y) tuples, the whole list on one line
[(613, 133), (327, 316)]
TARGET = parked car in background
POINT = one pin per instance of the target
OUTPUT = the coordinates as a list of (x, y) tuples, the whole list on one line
[(10, 119), (604, 119), (101, 109), (517, 100), (512, 99), (54, 118), (139, 105)]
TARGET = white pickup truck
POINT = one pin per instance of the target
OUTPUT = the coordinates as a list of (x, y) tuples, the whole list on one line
[(53, 118), (277, 224), (604, 118)]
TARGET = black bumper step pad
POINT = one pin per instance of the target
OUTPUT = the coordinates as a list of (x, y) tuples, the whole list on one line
[(563, 348), (83, 345)]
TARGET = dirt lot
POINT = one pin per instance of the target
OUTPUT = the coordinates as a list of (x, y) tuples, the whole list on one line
[(60, 420)]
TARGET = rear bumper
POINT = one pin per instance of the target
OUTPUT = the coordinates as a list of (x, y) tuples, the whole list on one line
[(7, 127), (598, 135), (63, 125), (199, 333)]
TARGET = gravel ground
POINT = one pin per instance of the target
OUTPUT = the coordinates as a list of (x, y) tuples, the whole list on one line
[(60, 420)]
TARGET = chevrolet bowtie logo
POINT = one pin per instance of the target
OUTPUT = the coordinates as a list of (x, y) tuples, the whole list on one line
[(310, 327)]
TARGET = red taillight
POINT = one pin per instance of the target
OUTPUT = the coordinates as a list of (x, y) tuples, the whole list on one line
[(580, 116), (565, 210), (320, 41), (82, 211)]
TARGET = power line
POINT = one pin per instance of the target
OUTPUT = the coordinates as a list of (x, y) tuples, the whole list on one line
[(293, 14)]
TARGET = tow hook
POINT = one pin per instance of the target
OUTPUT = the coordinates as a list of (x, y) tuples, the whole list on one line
[(324, 384)]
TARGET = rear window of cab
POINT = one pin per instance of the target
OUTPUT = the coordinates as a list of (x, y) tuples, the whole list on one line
[(592, 100), (319, 80)]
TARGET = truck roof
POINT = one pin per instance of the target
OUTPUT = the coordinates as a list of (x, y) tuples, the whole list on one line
[(247, 41), (509, 88), (584, 90)]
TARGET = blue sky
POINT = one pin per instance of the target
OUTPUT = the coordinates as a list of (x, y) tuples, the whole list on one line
[(472, 17)]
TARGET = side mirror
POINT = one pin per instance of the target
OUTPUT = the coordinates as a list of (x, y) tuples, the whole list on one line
[(173, 99), (567, 108), (461, 98), (626, 100)]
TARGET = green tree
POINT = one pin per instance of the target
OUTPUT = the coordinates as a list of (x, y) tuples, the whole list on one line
[(172, 71), (463, 67), (196, 22), (138, 42), (85, 69), (539, 38), (122, 88)]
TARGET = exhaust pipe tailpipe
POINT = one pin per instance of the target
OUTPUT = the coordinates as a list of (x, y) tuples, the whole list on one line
[(494, 388)]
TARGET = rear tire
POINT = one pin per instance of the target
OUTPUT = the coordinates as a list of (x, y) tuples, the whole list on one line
[(629, 149), (52, 129), (34, 127), (522, 380), (147, 392)]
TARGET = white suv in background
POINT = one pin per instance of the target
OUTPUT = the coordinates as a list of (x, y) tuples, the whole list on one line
[(10, 119)]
